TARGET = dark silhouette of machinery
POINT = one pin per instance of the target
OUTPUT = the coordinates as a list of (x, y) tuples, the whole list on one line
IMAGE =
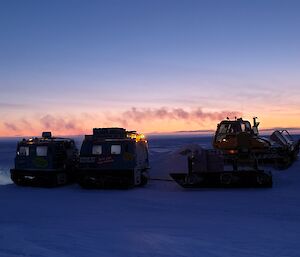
[(113, 157), (206, 168), (45, 161), (234, 137)]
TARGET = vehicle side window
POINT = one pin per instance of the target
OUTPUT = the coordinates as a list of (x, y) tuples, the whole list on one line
[(23, 151), (243, 127), (247, 126), (97, 150), (41, 150), (115, 149)]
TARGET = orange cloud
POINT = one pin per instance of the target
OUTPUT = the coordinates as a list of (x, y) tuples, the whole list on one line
[(149, 114), (147, 120), (10, 126)]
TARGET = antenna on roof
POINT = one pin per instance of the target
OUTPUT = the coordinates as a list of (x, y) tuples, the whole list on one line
[(255, 123)]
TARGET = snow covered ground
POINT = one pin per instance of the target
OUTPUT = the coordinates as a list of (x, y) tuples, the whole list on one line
[(161, 219)]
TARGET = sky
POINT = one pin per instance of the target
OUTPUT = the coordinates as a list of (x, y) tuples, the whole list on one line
[(147, 65)]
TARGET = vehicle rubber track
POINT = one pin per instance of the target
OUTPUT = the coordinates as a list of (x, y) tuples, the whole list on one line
[(238, 179)]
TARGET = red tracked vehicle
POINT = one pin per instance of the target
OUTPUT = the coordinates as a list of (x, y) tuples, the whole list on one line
[(239, 137)]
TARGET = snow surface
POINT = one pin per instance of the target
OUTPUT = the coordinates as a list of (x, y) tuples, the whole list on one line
[(161, 219)]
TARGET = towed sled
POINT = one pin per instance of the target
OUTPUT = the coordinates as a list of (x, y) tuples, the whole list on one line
[(206, 169)]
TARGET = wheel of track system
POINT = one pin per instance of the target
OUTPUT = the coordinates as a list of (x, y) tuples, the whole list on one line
[(260, 179), (18, 181), (83, 182), (144, 180), (226, 179), (61, 178), (264, 180)]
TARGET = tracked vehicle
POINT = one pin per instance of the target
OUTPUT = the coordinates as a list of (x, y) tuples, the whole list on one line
[(45, 161), (113, 158), (206, 168), (237, 136)]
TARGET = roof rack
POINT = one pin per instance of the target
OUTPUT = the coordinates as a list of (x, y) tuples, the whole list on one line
[(109, 132), (45, 138), (114, 133)]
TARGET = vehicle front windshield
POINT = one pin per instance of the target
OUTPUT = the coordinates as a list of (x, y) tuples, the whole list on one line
[(231, 128), (23, 151)]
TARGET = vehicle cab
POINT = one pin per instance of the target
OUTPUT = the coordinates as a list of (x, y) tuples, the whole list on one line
[(45, 160), (113, 157)]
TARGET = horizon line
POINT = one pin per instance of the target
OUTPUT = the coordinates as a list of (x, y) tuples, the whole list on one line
[(292, 130)]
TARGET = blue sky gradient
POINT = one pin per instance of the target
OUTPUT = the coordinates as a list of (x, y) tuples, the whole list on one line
[(70, 58)]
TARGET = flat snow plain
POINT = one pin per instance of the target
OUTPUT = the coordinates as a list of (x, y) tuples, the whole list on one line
[(160, 219)]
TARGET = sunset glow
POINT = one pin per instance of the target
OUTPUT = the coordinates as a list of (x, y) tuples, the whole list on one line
[(151, 66)]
